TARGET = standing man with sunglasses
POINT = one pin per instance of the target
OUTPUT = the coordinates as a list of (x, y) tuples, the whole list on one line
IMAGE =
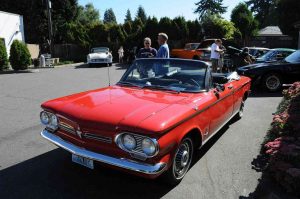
[(147, 51)]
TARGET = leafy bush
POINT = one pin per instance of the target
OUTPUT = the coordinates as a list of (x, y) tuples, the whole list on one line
[(3, 56), (20, 57), (282, 143)]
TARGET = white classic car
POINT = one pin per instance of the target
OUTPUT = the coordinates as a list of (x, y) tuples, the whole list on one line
[(99, 55)]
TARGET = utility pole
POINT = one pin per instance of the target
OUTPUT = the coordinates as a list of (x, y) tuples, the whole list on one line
[(50, 26)]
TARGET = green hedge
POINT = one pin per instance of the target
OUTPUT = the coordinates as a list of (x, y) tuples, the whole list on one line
[(3, 56), (20, 57)]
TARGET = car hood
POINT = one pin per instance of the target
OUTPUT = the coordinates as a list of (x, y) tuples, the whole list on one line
[(98, 55), (114, 107), (260, 65)]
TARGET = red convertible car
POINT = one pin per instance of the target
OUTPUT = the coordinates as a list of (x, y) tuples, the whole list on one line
[(151, 122)]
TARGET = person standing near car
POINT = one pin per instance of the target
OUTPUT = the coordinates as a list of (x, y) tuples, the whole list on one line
[(221, 60), (163, 51), (121, 54), (147, 51), (215, 54)]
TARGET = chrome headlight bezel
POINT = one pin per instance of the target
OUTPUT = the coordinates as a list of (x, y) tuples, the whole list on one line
[(52, 123), (138, 150), (152, 144)]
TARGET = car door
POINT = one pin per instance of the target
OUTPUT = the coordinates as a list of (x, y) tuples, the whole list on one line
[(293, 72)]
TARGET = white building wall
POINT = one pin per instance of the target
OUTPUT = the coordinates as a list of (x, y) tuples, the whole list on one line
[(11, 28)]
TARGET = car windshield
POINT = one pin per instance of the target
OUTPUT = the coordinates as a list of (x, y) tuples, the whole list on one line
[(99, 50), (191, 46), (166, 74), (269, 55), (294, 57)]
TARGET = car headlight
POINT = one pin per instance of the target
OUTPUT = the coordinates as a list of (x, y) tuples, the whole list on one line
[(49, 120), (129, 142), (148, 146), (44, 118)]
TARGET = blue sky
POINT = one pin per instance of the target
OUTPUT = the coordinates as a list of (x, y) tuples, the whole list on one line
[(169, 8)]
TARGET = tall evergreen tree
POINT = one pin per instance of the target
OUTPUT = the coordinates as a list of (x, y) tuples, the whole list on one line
[(128, 17), (141, 14), (244, 21), (88, 14), (288, 15), (109, 16), (264, 11), (210, 6)]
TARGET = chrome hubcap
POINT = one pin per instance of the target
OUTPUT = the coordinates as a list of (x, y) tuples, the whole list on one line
[(272, 82), (182, 160)]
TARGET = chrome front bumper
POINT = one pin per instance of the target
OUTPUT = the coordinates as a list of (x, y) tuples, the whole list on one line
[(118, 162)]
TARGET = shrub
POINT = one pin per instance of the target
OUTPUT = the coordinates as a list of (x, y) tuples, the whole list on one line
[(3, 56), (20, 57)]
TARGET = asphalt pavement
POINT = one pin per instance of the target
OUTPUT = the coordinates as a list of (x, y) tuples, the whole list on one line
[(31, 167)]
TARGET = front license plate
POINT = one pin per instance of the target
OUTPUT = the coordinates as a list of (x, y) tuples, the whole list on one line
[(83, 161)]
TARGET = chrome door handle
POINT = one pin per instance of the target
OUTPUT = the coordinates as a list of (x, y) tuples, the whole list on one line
[(230, 87)]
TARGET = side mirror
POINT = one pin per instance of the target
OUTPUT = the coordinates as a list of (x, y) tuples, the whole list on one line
[(219, 87)]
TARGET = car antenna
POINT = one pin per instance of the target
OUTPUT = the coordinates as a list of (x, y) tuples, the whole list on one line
[(108, 74)]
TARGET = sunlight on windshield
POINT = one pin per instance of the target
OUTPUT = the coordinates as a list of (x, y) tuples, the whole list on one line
[(294, 57), (178, 75)]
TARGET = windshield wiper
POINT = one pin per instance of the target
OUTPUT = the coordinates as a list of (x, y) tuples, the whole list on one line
[(121, 83), (160, 88)]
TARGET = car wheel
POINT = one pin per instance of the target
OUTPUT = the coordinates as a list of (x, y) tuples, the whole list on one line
[(240, 114), (196, 58), (110, 64), (272, 82), (181, 162)]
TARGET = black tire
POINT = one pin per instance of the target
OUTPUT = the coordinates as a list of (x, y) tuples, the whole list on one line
[(196, 58), (240, 114), (272, 82), (181, 162)]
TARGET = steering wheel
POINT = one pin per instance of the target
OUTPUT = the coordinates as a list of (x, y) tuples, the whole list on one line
[(192, 82)]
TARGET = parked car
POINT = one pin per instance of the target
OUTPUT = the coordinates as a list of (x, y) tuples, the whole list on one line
[(188, 52), (275, 55), (151, 122), (197, 51), (100, 55), (257, 51), (272, 75)]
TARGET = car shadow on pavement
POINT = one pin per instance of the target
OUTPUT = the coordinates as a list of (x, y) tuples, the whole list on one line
[(53, 175), (85, 65), (122, 66), (256, 93)]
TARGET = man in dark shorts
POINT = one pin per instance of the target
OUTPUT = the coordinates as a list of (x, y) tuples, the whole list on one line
[(147, 51)]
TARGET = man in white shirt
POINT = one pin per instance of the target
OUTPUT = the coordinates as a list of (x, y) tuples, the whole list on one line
[(215, 54)]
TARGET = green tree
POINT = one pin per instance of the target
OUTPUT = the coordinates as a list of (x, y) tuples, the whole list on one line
[(210, 6), (115, 34), (128, 17), (141, 14), (166, 25), (195, 30), (216, 27), (109, 16), (98, 34), (288, 15), (88, 14), (20, 57), (127, 26), (244, 21), (180, 28), (151, 29), (3, 56), (264, 11)]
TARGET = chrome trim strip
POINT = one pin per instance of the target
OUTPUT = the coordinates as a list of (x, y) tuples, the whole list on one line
[(97, 137), (118, 162)]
